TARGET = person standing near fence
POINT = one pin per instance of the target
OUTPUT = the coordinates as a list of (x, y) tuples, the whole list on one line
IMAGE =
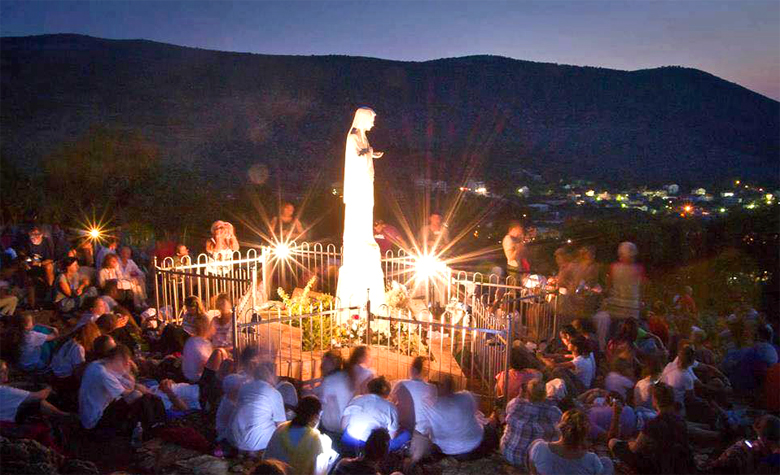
[(514, 251)]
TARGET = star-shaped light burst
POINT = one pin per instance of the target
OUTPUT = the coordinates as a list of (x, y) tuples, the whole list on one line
[(94, 230)]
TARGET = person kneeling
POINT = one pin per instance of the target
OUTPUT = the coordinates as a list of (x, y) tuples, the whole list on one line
[(372, 411), (299, 444)]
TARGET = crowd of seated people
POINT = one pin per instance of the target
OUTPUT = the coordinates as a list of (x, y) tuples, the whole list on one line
[(648, 394)]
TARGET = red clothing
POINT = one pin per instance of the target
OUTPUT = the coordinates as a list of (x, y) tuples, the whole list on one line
[(389, 237), (517, 380), (658, 327), (772, 388), (163, 249)]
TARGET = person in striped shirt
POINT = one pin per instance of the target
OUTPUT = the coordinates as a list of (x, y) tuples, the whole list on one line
[(529, 417)]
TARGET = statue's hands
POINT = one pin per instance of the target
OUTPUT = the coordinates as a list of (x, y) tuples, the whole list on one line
[(378, 154), (366, 151)]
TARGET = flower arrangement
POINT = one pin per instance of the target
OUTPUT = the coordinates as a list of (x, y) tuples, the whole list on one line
[(324, 332), (397, 296)]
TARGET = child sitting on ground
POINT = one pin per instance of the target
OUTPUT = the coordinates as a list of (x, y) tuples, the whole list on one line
[(34, 350)]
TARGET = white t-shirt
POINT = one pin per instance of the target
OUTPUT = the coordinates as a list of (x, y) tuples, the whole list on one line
[(70, 355), (188, 393), (368, 412), (334, 393), (259, 409), (584, 369), (30, 357), (99, 388), (10, 400), (681, 380), (454, 424), (618, 383), (547, 463), (411, 396), (197, 352), (223, 334), (643, 393), (362, 376)]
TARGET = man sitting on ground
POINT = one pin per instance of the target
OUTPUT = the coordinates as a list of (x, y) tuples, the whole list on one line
[(411, 397), (372, 411), (457, 426)]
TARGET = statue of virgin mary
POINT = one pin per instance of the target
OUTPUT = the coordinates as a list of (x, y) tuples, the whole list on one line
[(360, 275)]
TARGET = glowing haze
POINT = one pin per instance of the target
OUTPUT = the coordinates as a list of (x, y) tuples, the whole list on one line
[(736, 40)]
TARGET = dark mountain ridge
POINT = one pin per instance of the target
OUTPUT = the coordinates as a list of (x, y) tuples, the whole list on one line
[(479, 116)]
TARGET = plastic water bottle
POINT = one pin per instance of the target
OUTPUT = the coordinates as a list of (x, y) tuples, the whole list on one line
[(138, 436)]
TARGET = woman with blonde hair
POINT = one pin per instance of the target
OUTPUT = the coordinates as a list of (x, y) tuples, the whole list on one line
[(223, 241), (569, 453)]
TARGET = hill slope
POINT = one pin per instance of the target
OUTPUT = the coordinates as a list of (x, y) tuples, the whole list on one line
[(222, 112)]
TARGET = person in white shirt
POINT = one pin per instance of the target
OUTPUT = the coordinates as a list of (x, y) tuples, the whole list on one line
[(457, 426), (111, 270), (72, 354), (103, 251), (371, 411), (12, 399), (178, 396), (132, 272), (31, 352), (335, 392), (259, 410), (358, 368), (411, 397), (579, 372), (513, 249), (103, 390), (222, 336), (198, 354), (643, 391), (679, 375)]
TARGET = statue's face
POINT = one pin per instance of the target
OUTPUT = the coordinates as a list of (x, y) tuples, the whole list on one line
[(370, 122)]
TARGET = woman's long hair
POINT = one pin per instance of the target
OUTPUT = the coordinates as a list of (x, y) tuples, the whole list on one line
[(86, 335), (574, 427), (193, 301), (355, 358)]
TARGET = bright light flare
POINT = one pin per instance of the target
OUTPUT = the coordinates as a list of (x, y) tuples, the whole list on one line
[(687, 208), (94, 233), (427, 267), (281, 251)]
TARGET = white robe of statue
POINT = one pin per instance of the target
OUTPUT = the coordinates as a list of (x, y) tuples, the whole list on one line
[(361, 270)]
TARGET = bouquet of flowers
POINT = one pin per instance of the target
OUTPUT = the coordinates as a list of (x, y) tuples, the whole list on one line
[(397, 296)]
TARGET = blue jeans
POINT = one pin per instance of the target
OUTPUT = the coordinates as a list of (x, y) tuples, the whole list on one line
[(356, 445)]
